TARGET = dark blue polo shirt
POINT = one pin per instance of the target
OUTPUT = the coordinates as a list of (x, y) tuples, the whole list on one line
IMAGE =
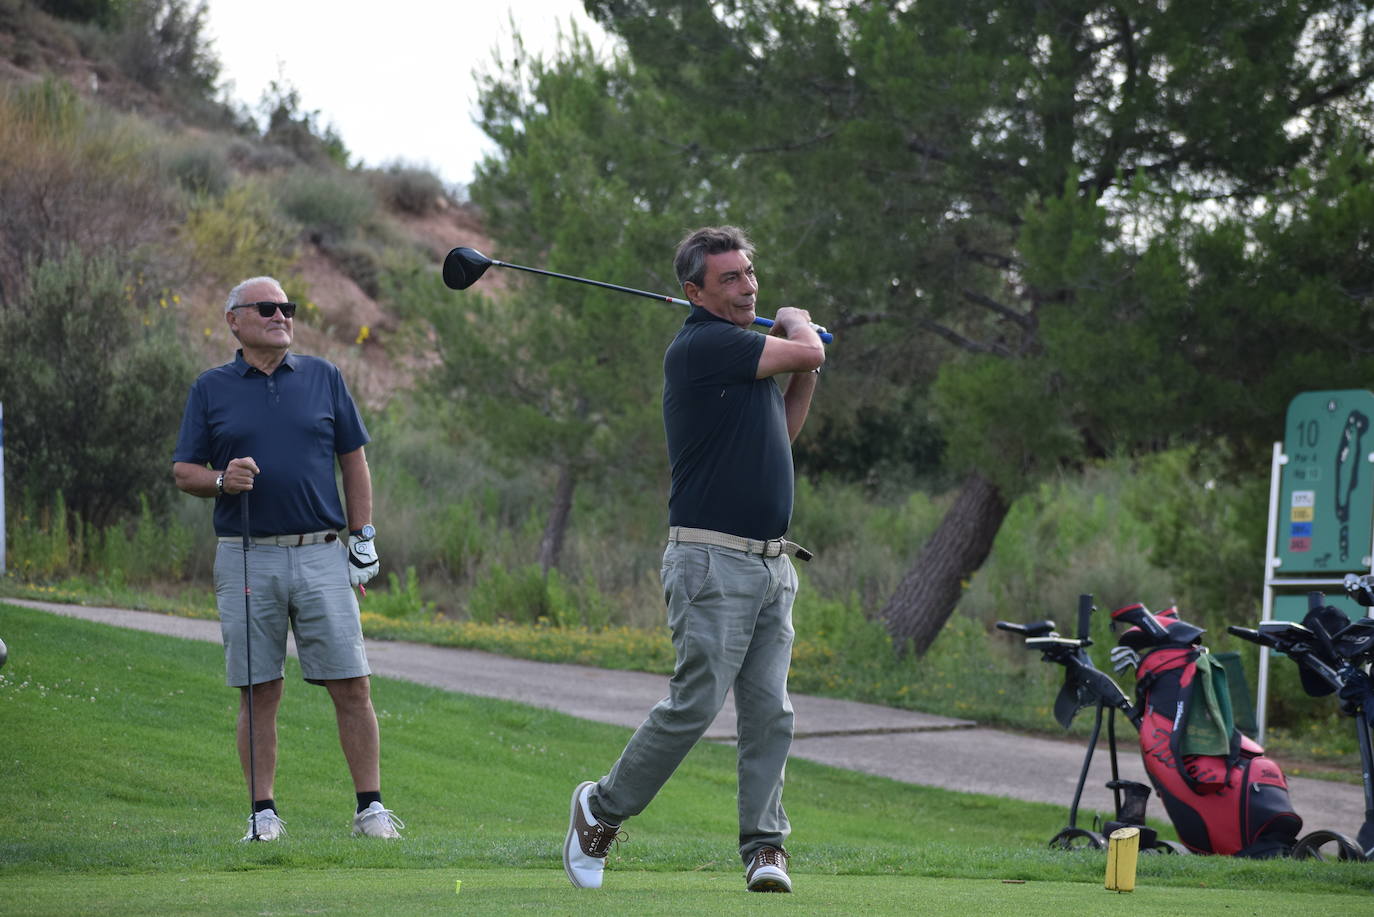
[(728, 447), (293, 423)]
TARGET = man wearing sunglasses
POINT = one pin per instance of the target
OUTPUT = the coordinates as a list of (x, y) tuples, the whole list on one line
[(267, 428)]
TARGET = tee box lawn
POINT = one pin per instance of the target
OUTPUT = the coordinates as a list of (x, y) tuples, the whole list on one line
[(124, 796)]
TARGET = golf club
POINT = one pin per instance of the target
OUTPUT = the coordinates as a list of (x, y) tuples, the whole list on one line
[(464, 266), (248, 653)]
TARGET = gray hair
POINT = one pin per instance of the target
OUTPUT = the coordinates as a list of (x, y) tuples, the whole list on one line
[(690, 260), (236, 294)]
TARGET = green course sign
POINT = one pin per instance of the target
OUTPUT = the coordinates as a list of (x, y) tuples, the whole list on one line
[(1326, 502), (1294, 607)]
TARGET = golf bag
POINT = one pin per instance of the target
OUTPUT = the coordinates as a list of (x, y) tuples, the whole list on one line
[(1222, 794), (1332, 653), (1085, 686)]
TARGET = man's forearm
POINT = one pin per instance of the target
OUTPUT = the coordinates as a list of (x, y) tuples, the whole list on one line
[(797, 401), (357, 486), (196, 480)]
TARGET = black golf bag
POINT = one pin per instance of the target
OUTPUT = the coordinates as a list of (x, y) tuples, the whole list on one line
[(1333, 654)]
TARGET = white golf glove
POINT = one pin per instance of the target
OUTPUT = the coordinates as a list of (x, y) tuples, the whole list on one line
[(362, 560)]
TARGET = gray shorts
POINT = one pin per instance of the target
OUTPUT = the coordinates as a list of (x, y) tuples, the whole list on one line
[(305, 588)]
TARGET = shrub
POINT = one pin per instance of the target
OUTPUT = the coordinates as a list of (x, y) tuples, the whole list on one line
[(241, 235), (72, 175), (458, 536), (289, 126), (360, 261), (92, 384), (253, 155), (330, 206), (399, 601), (1208, 531), (101, 12), (160, 44), (527, 595), (409, 189), (1072, 535), (39, 546), (200, 168)]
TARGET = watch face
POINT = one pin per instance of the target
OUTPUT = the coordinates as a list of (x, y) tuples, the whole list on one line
[(367, 533)]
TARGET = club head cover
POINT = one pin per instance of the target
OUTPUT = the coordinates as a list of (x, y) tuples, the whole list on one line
[(1355, 643), (1323, 622)]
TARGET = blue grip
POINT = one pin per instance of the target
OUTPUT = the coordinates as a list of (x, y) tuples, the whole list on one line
[(825, 336)]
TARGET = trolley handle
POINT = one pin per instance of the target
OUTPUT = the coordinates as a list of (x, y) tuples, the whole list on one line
[(1254, 636), (1029, 629)]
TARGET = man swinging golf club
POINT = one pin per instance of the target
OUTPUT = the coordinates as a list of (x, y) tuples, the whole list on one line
[(272, 423), (727, 575)]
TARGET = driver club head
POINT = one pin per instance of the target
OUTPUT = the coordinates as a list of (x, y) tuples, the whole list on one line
[(463, 266)]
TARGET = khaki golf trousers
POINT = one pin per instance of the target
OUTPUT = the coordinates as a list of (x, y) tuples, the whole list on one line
[(731, 619)]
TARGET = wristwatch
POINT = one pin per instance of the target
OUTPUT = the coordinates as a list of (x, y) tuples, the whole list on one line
[(366, 533), (219, 485)]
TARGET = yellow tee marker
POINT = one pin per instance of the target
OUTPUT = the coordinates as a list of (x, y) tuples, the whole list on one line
[(1123, 847)]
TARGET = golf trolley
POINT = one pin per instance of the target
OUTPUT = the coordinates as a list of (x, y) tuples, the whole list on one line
[(1087, 686), (1332, 654)]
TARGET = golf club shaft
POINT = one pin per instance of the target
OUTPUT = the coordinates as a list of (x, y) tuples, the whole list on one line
[(248, 659), (825, 336)]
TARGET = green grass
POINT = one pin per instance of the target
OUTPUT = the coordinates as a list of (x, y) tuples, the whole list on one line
[(521, 891), (123, 796)]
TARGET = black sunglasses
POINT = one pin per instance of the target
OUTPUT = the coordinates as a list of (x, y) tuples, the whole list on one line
[(269, 309)]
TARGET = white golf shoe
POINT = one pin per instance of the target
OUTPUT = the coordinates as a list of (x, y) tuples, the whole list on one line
[(377, 821), (767, 871), (268, 826), (589, 840)]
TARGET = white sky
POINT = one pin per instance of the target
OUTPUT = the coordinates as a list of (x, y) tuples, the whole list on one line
[(393, 78)]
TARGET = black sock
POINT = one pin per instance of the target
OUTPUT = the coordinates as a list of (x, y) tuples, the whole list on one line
[(261, 804), (367, 799)]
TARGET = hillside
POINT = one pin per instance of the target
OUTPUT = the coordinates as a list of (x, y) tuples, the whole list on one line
[(336, 269)]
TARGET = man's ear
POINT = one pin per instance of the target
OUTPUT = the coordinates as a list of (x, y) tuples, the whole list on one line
[(691, 291)]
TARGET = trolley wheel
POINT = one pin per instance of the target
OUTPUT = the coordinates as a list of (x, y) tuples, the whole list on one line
[(1078, 839), (1170, 847), (1326, 845)]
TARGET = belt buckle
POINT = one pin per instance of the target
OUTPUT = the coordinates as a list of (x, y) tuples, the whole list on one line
[(300, 540)]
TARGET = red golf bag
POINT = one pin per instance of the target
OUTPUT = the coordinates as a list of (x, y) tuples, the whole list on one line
[(1232, 800)]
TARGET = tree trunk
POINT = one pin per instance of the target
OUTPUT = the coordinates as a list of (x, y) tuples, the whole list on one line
[(556, 529), (931, 588)]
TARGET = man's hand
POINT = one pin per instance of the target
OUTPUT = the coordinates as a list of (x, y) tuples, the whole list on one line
[(239, 474), (362, 560), (789, 320)]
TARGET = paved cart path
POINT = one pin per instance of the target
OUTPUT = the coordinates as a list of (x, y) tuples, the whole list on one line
[(903, 745)]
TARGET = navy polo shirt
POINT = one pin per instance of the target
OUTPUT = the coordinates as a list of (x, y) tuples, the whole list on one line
[(293, 423), (728, 446)]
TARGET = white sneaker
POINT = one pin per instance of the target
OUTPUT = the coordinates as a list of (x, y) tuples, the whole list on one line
[(376, 821), (589, 840), (269, 826), (767, 871)]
